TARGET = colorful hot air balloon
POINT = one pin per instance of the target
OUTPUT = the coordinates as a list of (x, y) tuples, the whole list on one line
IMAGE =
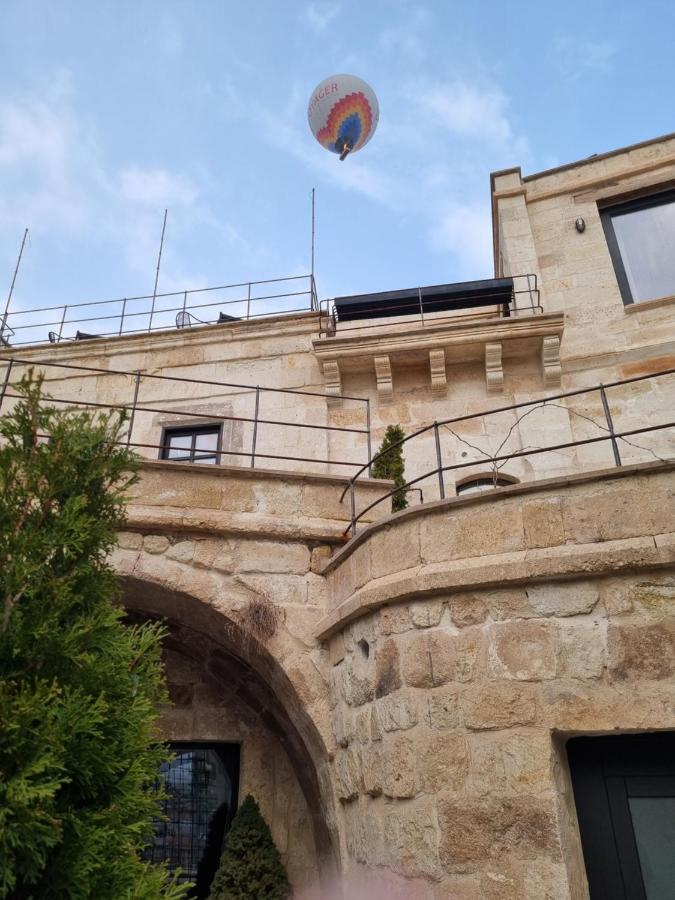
[(343, 113)]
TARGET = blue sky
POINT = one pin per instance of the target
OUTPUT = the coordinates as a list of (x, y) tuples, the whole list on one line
[(111, 110)]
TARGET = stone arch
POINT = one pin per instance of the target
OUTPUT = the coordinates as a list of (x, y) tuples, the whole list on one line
[(230, 655)]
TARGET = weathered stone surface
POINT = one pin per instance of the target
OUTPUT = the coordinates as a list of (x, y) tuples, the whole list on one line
[(426, 613), (509, 604), (319, 557), (395, 548), (443, 762), (183, 551), (467, 609), (563, 598), (356, 689), (336, 649), (543, 523), (581, 651), (509, 761), (499, 704), (129, 540), (387, 673), (523, 650), (371, 762), (155, 543), (433, 658), (468, 532), (475, 832), (348, 775), (641, 651), (398, 767), (444, 707), (394, 619), (411, 841), (397, 712), (272, 556)]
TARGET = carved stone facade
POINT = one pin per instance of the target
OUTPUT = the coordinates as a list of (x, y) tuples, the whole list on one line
[(407, 720)]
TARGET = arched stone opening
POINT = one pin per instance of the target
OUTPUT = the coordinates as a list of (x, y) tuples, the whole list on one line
[(225, 685)]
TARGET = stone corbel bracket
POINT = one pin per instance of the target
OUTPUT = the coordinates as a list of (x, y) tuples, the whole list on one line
[(385, 387), (331, 374), (550, 361), (439, 382), (494, 373)]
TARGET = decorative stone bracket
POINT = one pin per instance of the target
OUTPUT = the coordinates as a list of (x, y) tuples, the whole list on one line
[(550, 361), (331, 373), (437, 367), (494, 373), (385, 388)]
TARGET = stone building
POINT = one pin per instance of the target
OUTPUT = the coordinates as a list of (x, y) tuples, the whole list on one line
[(471, 698)]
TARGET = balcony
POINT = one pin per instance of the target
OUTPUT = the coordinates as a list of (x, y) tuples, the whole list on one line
[(490, 320)]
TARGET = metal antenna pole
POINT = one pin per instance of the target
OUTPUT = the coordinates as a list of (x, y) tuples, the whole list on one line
[(159, 260), (11, 289), (313, 242)]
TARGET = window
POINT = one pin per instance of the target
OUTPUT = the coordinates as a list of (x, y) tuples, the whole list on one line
[(641, 239), (202, 783), (624, 791), (484, 483), (200, 445)]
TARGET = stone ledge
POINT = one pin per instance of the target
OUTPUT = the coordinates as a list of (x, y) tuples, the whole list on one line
[(543, 486), (503, 570)]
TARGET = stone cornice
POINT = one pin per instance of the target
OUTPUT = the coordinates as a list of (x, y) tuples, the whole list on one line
[(430, 336)]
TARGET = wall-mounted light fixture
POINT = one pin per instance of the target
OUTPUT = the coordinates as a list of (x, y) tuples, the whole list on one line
[(580, 225)]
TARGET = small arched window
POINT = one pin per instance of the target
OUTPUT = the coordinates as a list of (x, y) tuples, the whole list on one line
[(483, 483)]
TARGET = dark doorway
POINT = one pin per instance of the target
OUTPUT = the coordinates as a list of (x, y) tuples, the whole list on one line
[(202, 784), (624, 790)]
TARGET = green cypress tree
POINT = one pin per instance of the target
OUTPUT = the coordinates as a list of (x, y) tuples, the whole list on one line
[(391, 465), (250, 865), (79, 688)]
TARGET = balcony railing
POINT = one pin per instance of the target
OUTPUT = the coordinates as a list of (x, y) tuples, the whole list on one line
[(510, 297), (156, 312), (257, 424), (601, 410)]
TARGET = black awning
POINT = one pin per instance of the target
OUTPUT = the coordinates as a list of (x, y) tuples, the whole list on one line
[(437, 298)]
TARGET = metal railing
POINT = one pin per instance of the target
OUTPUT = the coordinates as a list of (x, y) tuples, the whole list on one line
[(154, 312), (525, 300), (256, 421), (495, 460)]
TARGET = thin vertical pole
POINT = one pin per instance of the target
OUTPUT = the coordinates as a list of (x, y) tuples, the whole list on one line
[(11, 289), (159, 260), (370, 446), (137, 384), (124, 306), (353, 508), (6, 382), (255, 426), (610, 425), (419, 294), (313, 242), (248, 302), (63, 320), (439, 461)]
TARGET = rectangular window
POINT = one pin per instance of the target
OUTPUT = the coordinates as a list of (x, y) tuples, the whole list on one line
[(202, 785), (624, 790), (641, 239), (200, 444)]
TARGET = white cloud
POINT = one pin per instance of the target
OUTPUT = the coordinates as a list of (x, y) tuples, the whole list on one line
[(464, 230), (156, 187), (407, 38), (575, 57), (466, 110), (318, 16)]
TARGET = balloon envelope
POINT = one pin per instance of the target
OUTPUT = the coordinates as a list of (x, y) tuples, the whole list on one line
[(343, 113)]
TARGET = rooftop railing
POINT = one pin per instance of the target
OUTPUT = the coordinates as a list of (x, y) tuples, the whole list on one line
[(256, 421), (156, 312), (505, 298), (600, 415)]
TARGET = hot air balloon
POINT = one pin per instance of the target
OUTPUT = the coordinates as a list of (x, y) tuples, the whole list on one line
[(343, 113)]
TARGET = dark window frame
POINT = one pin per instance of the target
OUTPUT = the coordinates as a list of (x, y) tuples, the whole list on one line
[(230, 754), (193, 432), (607, 212), (606, 771), (465, 486)]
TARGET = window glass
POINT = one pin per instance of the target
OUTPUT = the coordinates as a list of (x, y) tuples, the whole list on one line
[(197, 445), (646, 241), (207, 441), (481, 484), (179, 446), (654, 827)]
